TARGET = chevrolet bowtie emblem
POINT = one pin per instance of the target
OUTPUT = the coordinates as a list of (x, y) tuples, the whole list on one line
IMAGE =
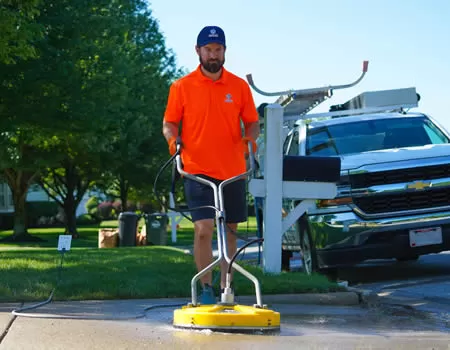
[(418, 185)]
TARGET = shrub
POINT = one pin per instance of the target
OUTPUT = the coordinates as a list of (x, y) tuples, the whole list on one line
[(145, 207), (6, 221), (86, 219), (92, 206), (37, 210), (105, 210), (131, 206), (117, 205)]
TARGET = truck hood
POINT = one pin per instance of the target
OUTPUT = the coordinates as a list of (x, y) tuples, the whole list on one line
[(354, 161)]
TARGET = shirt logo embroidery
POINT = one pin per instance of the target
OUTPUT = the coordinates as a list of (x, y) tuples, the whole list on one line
[(228, 98)]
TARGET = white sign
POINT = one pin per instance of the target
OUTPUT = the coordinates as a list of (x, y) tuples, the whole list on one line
[(425, 236), (64, 242)]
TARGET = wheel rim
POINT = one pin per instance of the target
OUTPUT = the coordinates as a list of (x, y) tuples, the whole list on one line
[(306, 254)]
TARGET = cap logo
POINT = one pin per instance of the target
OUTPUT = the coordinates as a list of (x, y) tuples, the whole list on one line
[(213, 33)]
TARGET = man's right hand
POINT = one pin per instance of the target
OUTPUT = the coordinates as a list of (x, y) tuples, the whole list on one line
[(172, 145)]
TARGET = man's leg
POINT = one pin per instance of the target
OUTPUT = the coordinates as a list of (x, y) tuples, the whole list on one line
[(200, 195), (203, 247), (231, 249), (236, 212)]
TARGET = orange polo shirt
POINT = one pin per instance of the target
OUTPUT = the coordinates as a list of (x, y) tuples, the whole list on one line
[(210, 113)]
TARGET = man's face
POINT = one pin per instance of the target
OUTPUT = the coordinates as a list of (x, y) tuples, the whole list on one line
[(212, 57)]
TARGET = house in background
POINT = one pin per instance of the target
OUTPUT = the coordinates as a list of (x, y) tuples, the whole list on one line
[(6, 201), (35, 194)]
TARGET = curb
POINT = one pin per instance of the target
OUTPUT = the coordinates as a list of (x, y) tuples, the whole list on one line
[(6, 319), (366, 297), (350, 298)]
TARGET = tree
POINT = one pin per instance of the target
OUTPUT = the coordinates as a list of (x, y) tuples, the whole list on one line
[(136, 140), (69, 88), (68, 181), (18, 30), (21, 154), (101, 66)]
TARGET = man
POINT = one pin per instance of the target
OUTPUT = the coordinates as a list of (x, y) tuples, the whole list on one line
[(210, 104)]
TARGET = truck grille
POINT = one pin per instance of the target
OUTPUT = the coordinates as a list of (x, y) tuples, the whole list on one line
[(403, 201), (365, 180)]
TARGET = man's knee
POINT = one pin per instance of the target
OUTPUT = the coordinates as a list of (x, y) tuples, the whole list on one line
[(231, 230), (204, 229)]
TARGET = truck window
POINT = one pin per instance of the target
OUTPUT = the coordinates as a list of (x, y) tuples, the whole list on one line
[(286, 144), (293, 149), (320, 143), (372, 135), (435, 134)]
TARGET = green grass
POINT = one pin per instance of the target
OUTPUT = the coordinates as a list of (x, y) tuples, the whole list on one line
[(185, 232), (125, 273), (88, 238), (29, 271), (89, 234)]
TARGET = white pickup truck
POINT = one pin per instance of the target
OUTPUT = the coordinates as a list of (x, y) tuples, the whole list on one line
[(393, 197)]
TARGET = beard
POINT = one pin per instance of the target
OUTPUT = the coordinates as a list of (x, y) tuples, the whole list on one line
[(212, 66)]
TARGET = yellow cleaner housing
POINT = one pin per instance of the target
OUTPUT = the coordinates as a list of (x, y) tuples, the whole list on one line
[(225, 316)]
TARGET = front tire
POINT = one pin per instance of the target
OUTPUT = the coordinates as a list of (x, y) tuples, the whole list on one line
[(308, 250), (286, 256)]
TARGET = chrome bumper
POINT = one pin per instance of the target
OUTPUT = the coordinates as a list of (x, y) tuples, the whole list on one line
[(344, 230)]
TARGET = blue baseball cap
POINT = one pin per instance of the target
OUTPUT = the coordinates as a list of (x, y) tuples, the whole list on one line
[(211, 34)]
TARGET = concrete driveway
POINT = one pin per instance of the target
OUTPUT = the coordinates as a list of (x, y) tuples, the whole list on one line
[(309, 321)]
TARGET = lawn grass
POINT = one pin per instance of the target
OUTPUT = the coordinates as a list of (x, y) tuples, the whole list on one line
[(29, 271), (89, 234), (125, 273)]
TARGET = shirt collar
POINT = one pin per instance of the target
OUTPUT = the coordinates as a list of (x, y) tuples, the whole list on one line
[(222, 79)]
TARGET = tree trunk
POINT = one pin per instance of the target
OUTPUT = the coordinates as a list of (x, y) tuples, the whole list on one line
[(70, 208), (124, 188), (72, 183), (20, 215), (19, 182), (68, 190)]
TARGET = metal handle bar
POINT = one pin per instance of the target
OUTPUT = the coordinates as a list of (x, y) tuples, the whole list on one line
[(222, 244), (308, 91), (207, 182)]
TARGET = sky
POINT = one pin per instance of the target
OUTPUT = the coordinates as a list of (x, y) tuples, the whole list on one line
[(300, 44)]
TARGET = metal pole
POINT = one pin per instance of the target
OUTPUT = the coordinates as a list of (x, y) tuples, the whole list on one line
[(173, 215), (273, 176)]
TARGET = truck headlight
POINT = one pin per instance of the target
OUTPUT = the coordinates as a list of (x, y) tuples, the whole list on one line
[(324, 203)]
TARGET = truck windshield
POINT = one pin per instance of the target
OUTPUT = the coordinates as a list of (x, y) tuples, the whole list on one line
[(372, 135)]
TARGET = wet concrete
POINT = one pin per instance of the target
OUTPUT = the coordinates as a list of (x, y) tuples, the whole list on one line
[(303, 327), (148, 334), (370, 321)]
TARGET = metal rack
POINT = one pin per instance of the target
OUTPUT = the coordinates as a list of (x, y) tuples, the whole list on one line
[(297, 103)]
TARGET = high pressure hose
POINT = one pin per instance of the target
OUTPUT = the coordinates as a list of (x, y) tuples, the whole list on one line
[(158, 197), (174, 178), (235, 255), (20, 311)]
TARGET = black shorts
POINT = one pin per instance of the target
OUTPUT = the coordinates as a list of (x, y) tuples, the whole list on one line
[(235, 201)]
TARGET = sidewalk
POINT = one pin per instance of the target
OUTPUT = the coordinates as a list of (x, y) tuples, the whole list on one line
[(124, 324), (327, 321), (110, 323)]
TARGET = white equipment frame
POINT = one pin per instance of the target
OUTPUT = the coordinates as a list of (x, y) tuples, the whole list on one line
[(291, 105)]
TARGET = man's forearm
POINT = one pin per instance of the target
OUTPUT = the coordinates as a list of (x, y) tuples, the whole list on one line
[(170, 130), (252, 130)]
